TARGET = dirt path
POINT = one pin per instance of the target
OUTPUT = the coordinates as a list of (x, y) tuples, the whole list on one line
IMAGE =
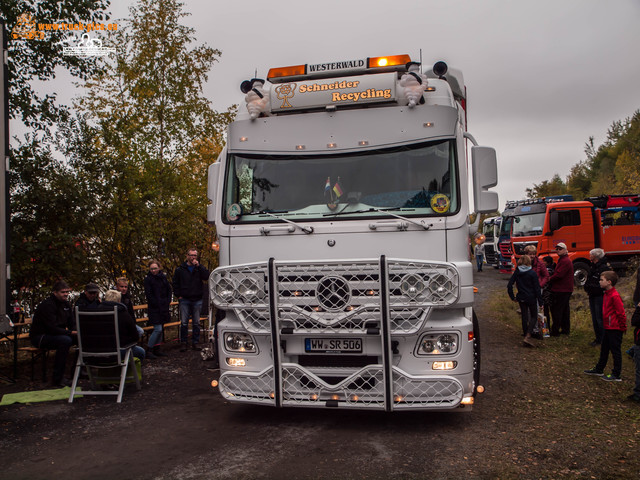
[(533, 421)]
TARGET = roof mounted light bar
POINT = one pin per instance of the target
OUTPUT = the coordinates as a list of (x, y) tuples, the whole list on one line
[(391, 63)]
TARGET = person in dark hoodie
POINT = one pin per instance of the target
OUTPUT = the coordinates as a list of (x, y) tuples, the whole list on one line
[(188, 286), (158, 292), (599, 264), (53, 329), (529, 296)]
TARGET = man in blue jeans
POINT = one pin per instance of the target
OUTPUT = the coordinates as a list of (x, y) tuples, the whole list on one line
[(188, 286)]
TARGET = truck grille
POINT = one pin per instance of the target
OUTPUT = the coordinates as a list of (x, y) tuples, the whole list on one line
[(363, 389), (335, 296)]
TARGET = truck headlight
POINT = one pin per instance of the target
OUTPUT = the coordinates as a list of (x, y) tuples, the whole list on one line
[(249, 289), (447, 343), (438, 344), (225, 289), (239, 342), (412, 285), (440, 287)]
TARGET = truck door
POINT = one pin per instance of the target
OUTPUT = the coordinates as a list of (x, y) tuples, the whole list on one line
[(575, 228)]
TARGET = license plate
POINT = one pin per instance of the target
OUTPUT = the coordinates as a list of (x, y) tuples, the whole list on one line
[(333, 345)]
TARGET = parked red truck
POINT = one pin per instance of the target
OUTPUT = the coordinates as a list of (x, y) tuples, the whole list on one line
[(610, 222)]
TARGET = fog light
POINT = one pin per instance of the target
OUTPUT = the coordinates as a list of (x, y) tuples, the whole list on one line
[(355, 398), (398, 398), (214, 383), (467, 401), (444, 365), (313, 396), (335, 397), (236, 362)]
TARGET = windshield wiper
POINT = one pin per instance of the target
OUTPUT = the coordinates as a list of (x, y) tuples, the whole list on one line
[(386, 211), (306, 230)]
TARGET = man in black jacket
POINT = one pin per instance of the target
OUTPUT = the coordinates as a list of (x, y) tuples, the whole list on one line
[(90, 298), (53, 329), (599, 264), (189, 288)]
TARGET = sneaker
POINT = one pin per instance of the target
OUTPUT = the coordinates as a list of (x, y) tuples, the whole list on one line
[(594, 371), (149, 355), (634, 398), (595, 343), (183, 348), (630, 352), (611, 378)]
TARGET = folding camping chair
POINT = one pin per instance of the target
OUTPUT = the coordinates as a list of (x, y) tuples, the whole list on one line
[(100, 350)]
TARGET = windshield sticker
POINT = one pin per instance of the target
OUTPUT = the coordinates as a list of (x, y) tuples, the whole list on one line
[(233, 212), (440, 203)]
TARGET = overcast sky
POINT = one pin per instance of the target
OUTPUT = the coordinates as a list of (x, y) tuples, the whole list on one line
[(542, 76)]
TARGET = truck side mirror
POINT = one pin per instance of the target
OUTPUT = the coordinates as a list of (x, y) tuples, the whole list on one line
[(212, 190), (485, 176), (553, 221)]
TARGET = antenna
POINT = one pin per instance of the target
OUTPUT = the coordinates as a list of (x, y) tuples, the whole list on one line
[(256, 75)]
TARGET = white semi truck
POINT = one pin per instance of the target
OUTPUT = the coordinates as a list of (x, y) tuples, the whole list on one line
[(341, 204)]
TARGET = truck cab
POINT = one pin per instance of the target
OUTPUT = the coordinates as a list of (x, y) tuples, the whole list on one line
[(341, 209)]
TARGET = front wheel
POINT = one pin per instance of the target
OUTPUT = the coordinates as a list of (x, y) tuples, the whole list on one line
[(580, 273)]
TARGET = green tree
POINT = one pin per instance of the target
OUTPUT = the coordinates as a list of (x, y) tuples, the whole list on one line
[(141, 144), (44, 232), (546, 188)]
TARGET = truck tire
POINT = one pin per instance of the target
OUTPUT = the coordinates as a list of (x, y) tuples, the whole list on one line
[(476, 354), (581, 272)]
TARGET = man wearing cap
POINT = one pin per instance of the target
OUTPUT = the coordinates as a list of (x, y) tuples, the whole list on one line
[(561, 282), (90, 298)]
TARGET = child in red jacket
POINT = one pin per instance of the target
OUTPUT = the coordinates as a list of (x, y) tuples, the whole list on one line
[(615, 323)]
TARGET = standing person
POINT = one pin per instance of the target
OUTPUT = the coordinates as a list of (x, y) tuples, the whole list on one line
[(561, 288), (90, 298), (52, 329), (158, 292), (615, 324), (599, 264), (635, 321), (478, 251), (188, 287), (529, 296), (541, 271)]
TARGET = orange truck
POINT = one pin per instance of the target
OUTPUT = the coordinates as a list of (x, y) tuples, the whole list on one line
[(610, 222)]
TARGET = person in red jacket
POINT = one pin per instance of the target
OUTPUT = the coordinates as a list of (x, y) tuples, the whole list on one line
[(561, 282), (615, 324)]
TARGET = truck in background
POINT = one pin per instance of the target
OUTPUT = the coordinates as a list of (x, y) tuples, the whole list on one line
[(512, 209), (491, 232), (341, 208), (610, 222)]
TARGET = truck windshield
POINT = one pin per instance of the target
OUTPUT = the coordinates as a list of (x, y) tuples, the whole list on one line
[(411, 180), (526, 225)]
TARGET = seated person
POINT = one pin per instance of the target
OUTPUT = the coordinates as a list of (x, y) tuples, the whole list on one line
[(89, 298), (53, 329), (126, 324)]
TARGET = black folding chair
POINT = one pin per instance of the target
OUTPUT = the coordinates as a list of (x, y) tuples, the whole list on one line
[(100, 350)]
